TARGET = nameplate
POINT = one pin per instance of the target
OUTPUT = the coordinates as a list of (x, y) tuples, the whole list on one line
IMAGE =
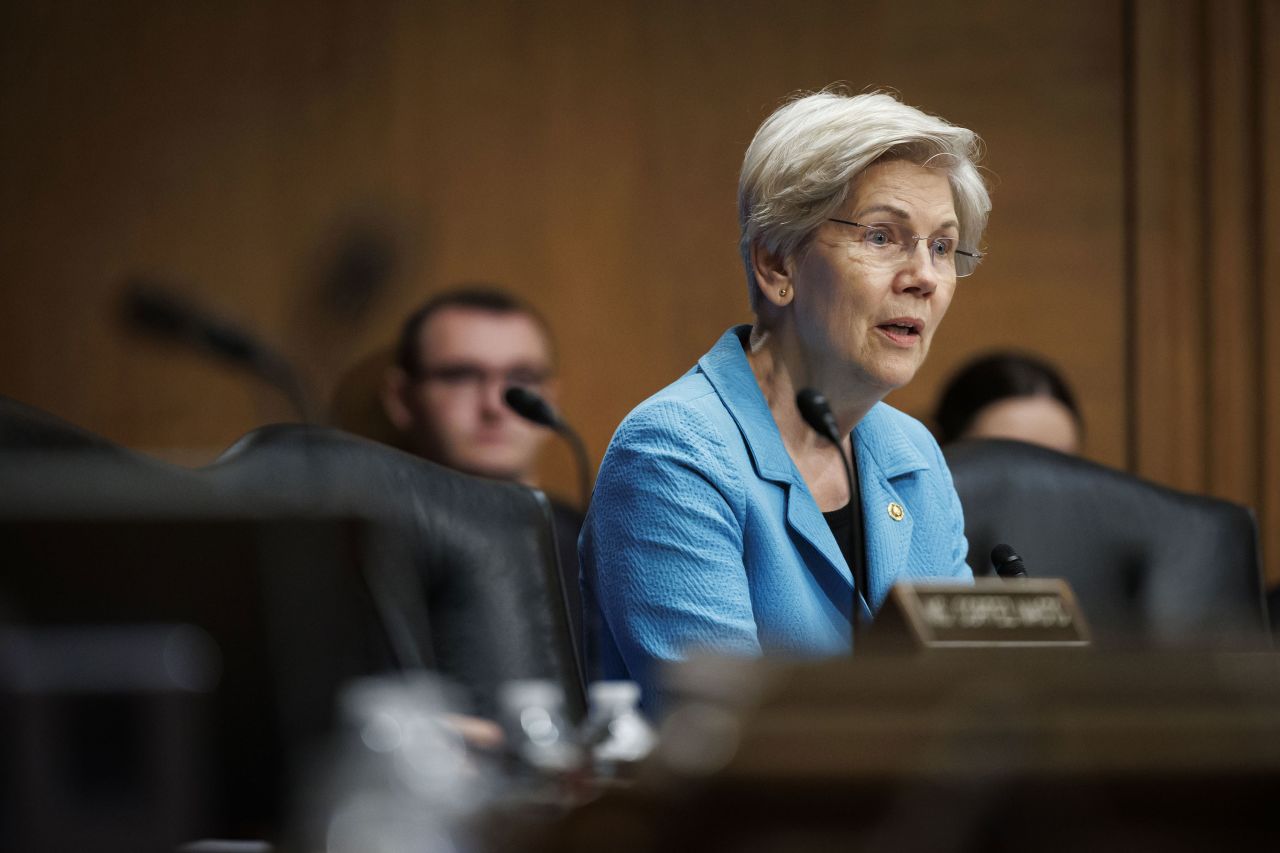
[(989, 613)]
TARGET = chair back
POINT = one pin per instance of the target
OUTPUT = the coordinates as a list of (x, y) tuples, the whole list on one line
[(24, 427), (466, 566), (1149, 564)]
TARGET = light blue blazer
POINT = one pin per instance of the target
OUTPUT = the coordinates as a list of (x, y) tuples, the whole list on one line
[(703, 535)]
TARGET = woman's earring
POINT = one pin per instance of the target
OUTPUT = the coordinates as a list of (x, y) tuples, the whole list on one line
[(782, 292)]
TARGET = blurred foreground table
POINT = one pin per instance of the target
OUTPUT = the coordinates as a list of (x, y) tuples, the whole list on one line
[(992, 751)]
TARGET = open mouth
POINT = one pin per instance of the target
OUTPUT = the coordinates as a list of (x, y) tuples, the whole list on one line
[(902, 330)]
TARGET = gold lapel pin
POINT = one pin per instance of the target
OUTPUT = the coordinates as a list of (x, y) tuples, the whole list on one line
[(896, 512)]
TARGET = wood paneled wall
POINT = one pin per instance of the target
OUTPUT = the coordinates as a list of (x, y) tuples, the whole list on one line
[(1268, 98), (1204, 324), (585, 154)]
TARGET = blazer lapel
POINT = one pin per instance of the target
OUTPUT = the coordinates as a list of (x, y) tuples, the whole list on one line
[(727, 369), (806, 521), (885, 457)]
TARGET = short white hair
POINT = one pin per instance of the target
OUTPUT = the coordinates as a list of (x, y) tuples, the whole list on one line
[(799, 167)]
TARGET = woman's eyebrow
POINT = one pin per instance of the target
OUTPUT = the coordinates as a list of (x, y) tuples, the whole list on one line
[(899, 213), (885, 208)]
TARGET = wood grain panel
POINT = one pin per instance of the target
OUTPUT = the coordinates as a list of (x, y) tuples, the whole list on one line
[(1230, 249), (584, 154), (1268, 29), (1205, 240), (1168, 329)]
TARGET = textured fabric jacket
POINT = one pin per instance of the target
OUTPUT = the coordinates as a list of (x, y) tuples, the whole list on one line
[(703, 535)]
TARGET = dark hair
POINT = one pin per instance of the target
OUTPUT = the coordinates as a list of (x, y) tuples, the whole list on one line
[(479, 297), (993, 377)]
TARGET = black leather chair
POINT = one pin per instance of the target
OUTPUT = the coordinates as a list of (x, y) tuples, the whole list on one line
[(24, 427), (463, 569), (1148, 564), (306, 551), (49, 467), (479, 554)]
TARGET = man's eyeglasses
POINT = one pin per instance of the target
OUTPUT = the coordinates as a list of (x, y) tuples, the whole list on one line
[(893, 243), (472, 378)]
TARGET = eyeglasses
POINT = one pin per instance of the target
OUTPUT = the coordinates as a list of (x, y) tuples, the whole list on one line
[(893, 243), (472, 378)]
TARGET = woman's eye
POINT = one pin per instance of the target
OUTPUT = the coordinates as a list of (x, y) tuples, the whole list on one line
[(942, 247), (878, 237)]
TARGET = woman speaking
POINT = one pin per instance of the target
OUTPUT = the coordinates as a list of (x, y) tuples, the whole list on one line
[(721, 520)]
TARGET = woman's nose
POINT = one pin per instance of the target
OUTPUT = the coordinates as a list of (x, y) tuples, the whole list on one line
[(923, 275)]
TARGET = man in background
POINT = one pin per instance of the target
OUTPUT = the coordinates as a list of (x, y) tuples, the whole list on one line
[(456, 356)]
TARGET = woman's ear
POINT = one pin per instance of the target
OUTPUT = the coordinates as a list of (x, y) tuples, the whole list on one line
[(773, 274)]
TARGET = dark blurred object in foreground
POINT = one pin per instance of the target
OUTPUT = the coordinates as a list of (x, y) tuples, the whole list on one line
[(307, 555), (25, 428), (1065, 751), (203, 725), (107, 734)]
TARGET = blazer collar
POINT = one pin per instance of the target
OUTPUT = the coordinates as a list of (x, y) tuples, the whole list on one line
[(885, 458), (884, 454), (730, 374), (883, 450), (883, 445)]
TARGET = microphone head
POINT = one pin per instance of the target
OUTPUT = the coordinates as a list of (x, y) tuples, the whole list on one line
[(153, 307), (1007, 562), (360, 271), (149, 307), (530, 406), (816, 412), (1002, 554)]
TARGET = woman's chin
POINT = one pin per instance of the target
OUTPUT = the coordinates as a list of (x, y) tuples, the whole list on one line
[(889, 374)]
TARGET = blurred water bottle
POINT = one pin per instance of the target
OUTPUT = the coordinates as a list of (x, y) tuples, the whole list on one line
[(401, 780), (615, 730), (538, 731)]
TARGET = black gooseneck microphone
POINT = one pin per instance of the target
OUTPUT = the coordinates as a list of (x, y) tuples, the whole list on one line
[(1007, 563), (530, 406), (817, 413), (153, 307)]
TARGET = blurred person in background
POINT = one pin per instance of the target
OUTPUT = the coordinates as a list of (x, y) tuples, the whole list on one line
[(720, 519), (1013, 396), (456, 356)]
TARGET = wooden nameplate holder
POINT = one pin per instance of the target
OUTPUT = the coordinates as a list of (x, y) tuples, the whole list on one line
[(989, 613)]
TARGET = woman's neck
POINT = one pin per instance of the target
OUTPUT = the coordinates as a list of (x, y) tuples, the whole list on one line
[(781, 371), (782, 368)]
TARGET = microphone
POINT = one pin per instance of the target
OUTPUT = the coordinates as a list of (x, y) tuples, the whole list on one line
[(151, 307), (817, 413), (1007, 563), (532, 407)]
